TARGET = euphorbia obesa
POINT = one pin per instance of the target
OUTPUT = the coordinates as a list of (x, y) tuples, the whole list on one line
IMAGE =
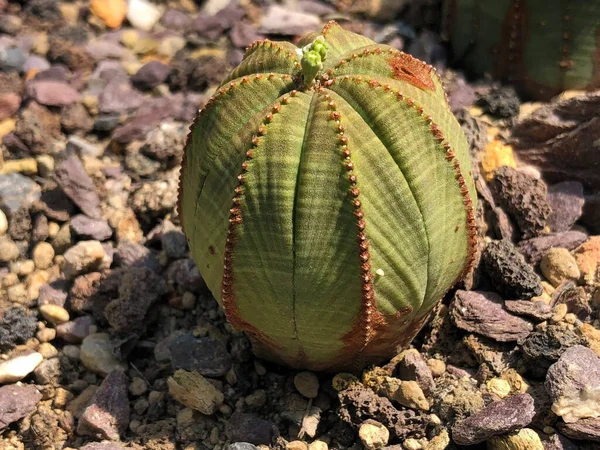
[(327, 198)]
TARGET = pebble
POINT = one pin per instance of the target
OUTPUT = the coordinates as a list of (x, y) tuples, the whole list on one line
[(410, 394), (588, 258), (16, 192), (3, 223), (18, 294), (499, 387), (96, 354), (47, 350), (85, 256), (495, 419), (524, 439), (54, 313), (108, 415), (72, 352), (194, 391), (43, 255), (318, 445), (9, 105), (558, 265), (437, 367), (111, 12), (143, 15), (373, 435), (9, 251), (573, 383), (19, 367), (17, 401), (26, 166), (307, 384), (46, 334), (138, 386), (22, 268), (48, 371)]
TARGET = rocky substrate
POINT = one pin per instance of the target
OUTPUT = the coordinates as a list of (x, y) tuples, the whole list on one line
[(109, 338)]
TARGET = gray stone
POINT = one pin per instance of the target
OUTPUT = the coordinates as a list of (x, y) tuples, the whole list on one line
[(205, 355), (150, 75), (48, 371), (108, 415), (17, 191), (16, 402), (250, 428), (566, 200), (52, 93), (573, 383), (483, 313), (497, 418), (139, 288), (534, 249), (87, 228), (537, 310), (279, 20), (76, 330), (78, 186)]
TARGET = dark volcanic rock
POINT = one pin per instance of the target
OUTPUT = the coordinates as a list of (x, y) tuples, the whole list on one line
[(535, 248), (108, 415), (139, 288), (576, 372), (205, 355), (509, 272), (79, 187), (500, 101), (559, 138), (566, 200), (542, 348), (250, 428), (537, 310), (16, 402), (523, 197), (358, 403), (16, 327), (483, 313), (497, 418), (38, 128)]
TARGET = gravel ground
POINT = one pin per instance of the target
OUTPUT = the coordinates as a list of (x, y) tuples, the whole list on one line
[(109, 338)]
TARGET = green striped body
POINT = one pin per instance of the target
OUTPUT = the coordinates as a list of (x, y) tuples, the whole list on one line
[(329, 217), (543, 46)]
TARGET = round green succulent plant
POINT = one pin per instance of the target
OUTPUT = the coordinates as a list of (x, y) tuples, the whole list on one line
[(543, 46), (327, 198)]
